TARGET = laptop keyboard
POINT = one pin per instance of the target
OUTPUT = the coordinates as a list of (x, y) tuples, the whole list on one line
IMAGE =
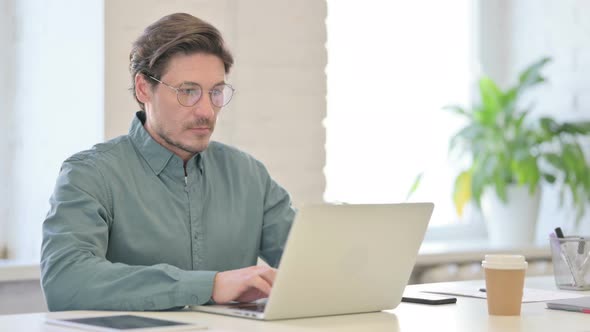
[(256, 307)]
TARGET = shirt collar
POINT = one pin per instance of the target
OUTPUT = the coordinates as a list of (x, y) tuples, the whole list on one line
[(154, 154)]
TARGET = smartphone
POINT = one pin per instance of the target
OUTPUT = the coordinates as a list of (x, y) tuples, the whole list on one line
[(428, 298)]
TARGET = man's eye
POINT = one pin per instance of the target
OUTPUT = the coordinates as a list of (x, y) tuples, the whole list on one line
[(189, 92), (216, 92)]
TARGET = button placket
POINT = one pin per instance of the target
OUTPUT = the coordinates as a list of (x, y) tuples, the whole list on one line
[(196, 220)]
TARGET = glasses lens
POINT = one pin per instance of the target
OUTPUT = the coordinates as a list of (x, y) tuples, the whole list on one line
[(221, 95), (189, 94)]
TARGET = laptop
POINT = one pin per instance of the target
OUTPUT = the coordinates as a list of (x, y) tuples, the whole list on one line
[(341, 259)]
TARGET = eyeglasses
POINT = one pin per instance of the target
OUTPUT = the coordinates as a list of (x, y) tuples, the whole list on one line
[(189, 93)]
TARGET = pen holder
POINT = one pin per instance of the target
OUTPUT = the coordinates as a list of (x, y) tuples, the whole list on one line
[(571, 259)]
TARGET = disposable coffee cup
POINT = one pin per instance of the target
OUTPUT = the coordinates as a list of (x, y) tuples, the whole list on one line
[(504, 283)]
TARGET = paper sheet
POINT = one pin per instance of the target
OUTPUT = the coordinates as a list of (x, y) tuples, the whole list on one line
[(529, 294)]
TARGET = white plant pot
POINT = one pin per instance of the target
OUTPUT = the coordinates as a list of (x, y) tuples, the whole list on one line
[(513, 223)]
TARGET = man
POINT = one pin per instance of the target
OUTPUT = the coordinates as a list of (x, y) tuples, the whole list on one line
[(162, 217)]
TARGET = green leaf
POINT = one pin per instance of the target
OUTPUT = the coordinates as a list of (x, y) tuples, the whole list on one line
[(491, 97), (580, 159), (482, 174), (466, 135), (554, 159), (582, 128), (549, 125), (570, 161), (531, 75), (534, 181), (509, 98), (527, 171), (414, 185), (549, 178), (485, 117), (500, 185), (520, 119), (458, 110)]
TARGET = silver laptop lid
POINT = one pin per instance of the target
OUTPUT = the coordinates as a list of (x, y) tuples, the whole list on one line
[(347, 259)]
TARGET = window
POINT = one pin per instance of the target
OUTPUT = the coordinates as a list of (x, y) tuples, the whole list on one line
[(53, 107), (392, 66)]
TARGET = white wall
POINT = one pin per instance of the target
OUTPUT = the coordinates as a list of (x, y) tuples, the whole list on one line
[(21, 297), (7, 82), (53, 84), (67, 89), (524, 31), (57, 107), (280, 57), (493, 38), (560, 29)]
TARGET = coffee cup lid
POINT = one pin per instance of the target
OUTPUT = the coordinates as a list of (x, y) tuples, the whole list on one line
[(504, 262)]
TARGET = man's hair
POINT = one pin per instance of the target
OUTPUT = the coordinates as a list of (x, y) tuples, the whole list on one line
[(173, 34)]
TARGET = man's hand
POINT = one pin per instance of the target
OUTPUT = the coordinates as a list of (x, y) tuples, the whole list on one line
[(243, 285)]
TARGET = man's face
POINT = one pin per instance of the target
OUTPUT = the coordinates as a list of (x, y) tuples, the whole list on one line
[(181, 129)]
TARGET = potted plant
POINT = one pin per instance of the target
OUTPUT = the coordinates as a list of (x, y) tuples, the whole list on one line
[(511, 153)]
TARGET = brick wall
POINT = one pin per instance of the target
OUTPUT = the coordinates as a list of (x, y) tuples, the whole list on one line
[(559, 29)]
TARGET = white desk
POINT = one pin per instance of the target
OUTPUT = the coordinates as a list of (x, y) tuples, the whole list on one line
[(469, 314)]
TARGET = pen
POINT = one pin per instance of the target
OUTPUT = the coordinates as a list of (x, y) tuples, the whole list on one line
[(581, 246), (582, 310), (559, 233), (566, 258), (581, 243)]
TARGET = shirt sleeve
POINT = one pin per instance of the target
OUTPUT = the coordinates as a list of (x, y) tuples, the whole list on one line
[(75, 273), (278, 218)]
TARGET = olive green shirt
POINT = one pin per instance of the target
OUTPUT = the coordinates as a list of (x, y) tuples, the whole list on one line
[(127, 230)]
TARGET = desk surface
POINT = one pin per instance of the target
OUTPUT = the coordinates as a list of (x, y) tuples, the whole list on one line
[(468, 314)]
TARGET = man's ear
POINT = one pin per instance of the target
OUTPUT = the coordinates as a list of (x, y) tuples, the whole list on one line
[(142, 88)]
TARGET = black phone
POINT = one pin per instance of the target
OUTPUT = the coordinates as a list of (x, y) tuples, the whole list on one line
[(428, 298)]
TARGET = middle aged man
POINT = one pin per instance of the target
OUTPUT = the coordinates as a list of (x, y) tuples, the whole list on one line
[(162, 217)]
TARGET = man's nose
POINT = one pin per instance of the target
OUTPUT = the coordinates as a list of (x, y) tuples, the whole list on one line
[(204, 107)]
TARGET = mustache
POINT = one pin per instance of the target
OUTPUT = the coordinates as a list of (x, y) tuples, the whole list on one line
[(200, 122)]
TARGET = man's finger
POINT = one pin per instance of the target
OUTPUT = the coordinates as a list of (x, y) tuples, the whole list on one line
[(262, 285), (269, 275)]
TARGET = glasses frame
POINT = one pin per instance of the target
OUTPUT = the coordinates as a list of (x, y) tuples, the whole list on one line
[(177, 90)]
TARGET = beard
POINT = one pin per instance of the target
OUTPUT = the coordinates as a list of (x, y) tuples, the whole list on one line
[(200, 144)]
